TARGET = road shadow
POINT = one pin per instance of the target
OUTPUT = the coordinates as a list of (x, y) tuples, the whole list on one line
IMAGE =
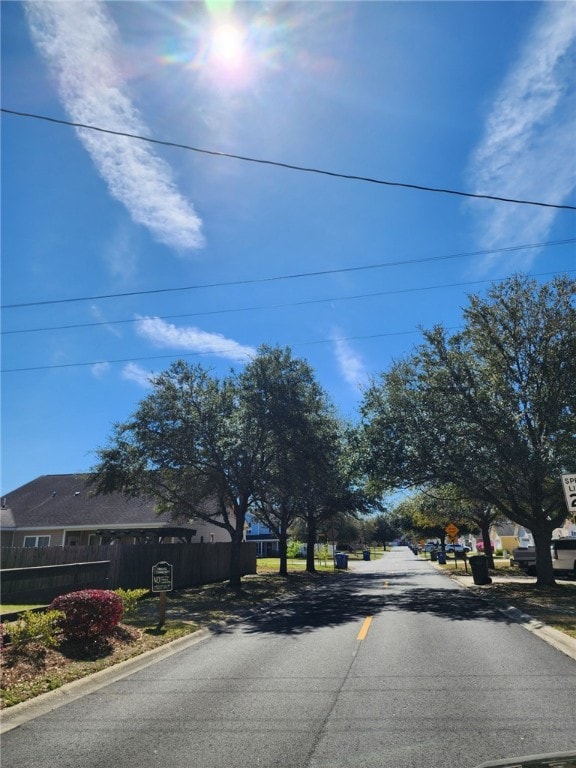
[(359, 595)]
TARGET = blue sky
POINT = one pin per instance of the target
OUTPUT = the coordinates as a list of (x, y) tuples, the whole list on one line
[(467, 96)]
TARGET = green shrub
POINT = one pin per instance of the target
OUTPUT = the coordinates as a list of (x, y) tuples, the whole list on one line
[(40, 627), (89, 613), (293, 548), (130, 598)]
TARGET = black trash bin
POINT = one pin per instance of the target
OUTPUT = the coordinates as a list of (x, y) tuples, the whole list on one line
[(479, 566), (433, 555), (366, 554), (442, 558)]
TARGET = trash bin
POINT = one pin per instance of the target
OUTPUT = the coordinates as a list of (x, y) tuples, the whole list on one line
[(442, 558), (433, 555), (366, 554), (479, 566), (341, 560)]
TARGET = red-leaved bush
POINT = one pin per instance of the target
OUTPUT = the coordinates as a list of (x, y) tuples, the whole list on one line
[(88, 613)]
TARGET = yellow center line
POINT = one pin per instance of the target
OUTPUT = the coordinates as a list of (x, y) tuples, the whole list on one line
[(364, 628)]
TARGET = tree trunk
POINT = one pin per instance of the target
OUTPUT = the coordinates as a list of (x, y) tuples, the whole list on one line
[(310, 545), (283, 547), (544, 569), (485, 529), (237, 537), (236, 562)]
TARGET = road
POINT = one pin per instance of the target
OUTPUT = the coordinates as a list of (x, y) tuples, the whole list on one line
[(391, 666)]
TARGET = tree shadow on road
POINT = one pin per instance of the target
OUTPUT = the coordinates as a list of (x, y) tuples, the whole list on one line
[(357, 596)]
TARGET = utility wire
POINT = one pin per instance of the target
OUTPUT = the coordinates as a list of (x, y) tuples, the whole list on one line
[(181, 355), (286, 305), (289, 166), (297, 276)]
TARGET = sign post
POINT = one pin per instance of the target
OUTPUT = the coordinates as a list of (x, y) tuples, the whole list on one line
[(162, 582), (453, 531)]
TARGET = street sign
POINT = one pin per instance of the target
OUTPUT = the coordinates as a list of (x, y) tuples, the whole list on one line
[(452, 530), (569, 485), (162, 577)]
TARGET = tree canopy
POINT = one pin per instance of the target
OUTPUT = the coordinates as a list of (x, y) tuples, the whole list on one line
[(490, 409), (215, 449)]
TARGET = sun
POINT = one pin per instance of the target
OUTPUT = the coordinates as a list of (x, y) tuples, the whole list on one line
[(228, 45)]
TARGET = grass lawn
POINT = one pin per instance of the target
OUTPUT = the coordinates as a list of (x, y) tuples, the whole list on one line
[(298, 564), (7, 609)]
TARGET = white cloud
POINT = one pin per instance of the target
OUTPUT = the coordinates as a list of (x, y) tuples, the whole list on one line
[(133, 372), (192, 340), (527, 150), (100, 369), (351, 364), (119, 253), (78, 40)]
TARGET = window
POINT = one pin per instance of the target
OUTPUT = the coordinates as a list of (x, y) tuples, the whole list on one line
[(36, 541)]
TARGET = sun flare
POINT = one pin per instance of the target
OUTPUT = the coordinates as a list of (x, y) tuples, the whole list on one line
[(228, 46)]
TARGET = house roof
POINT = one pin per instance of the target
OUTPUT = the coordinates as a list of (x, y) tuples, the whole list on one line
[(67, 501)]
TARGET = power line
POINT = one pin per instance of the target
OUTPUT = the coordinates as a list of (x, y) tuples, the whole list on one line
[(289, 166), (180, 355), (286, 305), (296, 276)]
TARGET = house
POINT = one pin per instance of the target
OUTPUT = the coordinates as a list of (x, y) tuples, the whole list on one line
[(508, 535), (266, 542), (61, 510)]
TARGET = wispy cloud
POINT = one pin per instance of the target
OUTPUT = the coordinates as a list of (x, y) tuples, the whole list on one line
[(527, 150), (101, 318), (100, 369), (78, 40), (192, 340), (133, 372), (351, 364), (119, 253)]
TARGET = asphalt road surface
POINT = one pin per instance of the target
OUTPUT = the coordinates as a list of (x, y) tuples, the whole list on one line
[(391, 666)]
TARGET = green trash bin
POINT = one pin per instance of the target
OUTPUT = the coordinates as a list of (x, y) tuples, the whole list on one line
[(479, 566)]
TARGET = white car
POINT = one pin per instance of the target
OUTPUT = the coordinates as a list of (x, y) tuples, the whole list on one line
[(460, 548)]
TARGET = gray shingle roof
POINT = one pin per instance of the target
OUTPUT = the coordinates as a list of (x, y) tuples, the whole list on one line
[(65, 500)]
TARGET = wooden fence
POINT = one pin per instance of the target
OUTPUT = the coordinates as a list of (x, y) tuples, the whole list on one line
[(130, 565), (41, 584)]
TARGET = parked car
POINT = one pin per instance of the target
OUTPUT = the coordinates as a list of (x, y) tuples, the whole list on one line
[(430, 546), (563, 556), (459, 548)]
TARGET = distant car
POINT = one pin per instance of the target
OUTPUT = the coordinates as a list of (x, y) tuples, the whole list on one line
[(430, 546), (459, 548)]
